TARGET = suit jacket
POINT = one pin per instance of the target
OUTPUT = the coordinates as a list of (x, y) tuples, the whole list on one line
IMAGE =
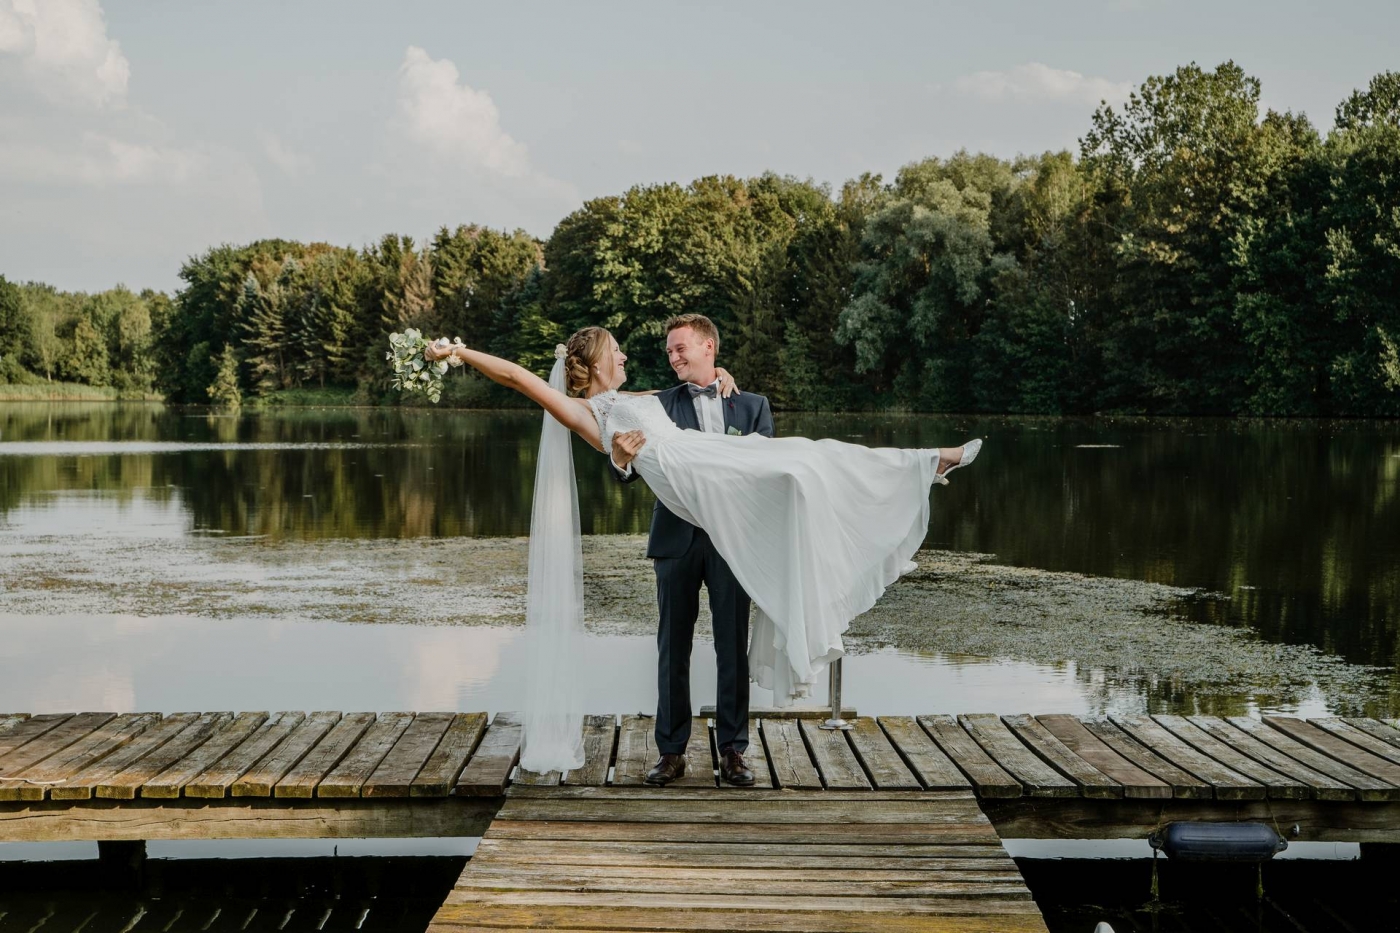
[(749, 413)]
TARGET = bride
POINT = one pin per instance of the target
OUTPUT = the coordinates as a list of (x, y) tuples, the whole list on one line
[(813, 530)]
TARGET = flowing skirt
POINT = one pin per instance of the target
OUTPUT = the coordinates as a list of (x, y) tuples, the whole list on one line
[(814, 531)]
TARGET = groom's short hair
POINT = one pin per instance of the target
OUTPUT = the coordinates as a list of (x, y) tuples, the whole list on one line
[(697, 322)]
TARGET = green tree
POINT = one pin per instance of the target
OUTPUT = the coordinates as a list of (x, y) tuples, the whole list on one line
[(86, 359), (1179, 170), (224, 391), (14, 331)]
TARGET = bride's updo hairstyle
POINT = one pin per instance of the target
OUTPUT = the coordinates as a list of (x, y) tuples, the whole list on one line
[(584, 351)]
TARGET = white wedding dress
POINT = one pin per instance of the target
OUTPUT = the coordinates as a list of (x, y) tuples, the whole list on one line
[(814, 531)]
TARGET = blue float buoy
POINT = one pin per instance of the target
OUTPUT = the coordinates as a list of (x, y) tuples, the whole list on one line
[(1218, 842)]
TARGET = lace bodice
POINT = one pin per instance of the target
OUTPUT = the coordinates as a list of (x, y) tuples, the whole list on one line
[(622, 413)]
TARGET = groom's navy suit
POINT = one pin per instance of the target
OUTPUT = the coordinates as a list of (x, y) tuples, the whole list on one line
[(684, 558)]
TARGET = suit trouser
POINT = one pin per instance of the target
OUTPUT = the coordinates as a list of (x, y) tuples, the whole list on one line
[(678, 581)]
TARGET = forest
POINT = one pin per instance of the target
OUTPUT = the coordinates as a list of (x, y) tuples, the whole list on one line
[(1198, 254)]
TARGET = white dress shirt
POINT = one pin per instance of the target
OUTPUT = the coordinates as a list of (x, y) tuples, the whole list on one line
[(710, 411)]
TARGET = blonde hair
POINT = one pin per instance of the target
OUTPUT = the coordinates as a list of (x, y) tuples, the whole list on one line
[(584, 349), (704, 328)]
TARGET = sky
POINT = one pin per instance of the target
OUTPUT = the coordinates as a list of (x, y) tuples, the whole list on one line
[(136, 133)]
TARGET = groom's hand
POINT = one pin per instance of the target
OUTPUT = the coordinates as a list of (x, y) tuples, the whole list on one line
[(625, 448)]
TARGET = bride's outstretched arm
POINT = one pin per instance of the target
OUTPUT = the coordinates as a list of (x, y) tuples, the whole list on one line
[(572, 413)]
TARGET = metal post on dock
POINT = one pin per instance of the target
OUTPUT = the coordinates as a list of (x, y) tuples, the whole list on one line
[(836, 722)]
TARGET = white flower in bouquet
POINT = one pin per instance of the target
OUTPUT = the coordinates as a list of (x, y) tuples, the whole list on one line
[(413, 372)]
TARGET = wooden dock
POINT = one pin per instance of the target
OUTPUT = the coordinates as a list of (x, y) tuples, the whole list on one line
[(895, 824)]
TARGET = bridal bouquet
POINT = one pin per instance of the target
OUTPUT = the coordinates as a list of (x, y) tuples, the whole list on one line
[(412, 371)]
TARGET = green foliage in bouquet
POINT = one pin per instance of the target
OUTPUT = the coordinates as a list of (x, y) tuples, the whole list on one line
[(412, 371)]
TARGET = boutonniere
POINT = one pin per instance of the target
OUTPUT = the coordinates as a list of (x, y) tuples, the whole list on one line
[(735, 431)]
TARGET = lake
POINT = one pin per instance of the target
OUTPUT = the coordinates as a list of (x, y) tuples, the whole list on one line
[(182, 559)]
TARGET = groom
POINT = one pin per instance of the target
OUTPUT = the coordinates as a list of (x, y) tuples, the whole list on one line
[(684, 558)]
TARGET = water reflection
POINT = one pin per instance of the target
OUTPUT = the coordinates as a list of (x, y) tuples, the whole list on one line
[(1297, 522), (174, 663)]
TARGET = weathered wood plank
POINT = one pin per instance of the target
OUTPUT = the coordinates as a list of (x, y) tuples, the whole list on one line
[(25, 728), (440, 774), (346, 778), (125, 784), (721, 855), (1228, 783), (1077, 818), (502, 863), (33, 782), (761, 809), (489, 768), (679, 907), (51, 741), (220, 777), (756, 757), (462, 919), (787, 753), (241, 818), (1064, 741), (755, 883), (83, 784), (1280, 786), (979, 832), (1038, 778), (882, 762), (699, 757), (1374, 777), (931, 766), (172, 780), (726, 792), (960, 917), (1182, 784), (300, 781), (1092, 782), (1375, 728), (261, 779), (835, 761), (395, 774), (1277, 751), (599, 739), (636, 750), (1134, 781), (987, 777), (1258, 745), (1363, 740)]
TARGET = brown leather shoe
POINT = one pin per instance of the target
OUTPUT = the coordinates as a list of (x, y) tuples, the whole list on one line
[(666, 770), (733, 770)]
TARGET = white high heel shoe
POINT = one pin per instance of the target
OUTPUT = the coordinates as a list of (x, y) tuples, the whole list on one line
[(969, 454)]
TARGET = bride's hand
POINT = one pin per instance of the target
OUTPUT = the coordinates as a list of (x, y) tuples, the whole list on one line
[(438, 349), (727, 385)]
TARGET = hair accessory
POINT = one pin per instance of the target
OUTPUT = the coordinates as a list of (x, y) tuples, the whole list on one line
[(560, 351)]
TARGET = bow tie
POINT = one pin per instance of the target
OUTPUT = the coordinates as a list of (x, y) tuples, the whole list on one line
[(711, 390)]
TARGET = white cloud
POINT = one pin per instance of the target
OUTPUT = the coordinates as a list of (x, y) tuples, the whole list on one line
[(290, 162), (97, 191), (454, 121), (1036, 81), (63, 50), (99, 160)]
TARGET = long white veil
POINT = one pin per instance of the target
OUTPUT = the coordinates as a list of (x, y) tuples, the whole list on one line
[(554, 604)]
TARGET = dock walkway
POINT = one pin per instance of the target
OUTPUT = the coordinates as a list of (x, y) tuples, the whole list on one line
[(904, 813)]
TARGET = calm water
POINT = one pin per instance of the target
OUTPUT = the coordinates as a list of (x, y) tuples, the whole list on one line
[(1297, 522)]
